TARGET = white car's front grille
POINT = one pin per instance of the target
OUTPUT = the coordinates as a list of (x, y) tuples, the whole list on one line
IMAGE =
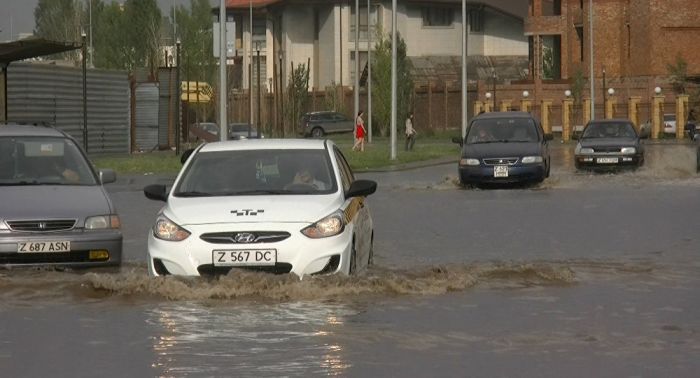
[(245, 237)]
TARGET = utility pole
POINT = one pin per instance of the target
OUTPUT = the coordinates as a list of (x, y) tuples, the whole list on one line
[(85, 130), (223, 128), (393, 79), (369, 71), (258, 68), (178, 99), (464, 68), (357, 58), (591, 75)]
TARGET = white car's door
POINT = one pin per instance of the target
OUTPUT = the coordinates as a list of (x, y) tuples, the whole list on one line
[(360, 219)]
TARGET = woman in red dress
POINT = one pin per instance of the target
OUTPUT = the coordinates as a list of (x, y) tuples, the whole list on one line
[(359, 133)]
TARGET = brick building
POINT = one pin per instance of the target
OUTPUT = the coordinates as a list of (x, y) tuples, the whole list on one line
[(632, 38)]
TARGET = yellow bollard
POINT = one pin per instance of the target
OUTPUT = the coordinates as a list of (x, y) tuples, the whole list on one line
[(488, 106), (681, 117), (633, 111), (610, 107), (546, 105), (566, 113), (478, 107), (586, 110), (657, 104), (525, 105), (505, 105)]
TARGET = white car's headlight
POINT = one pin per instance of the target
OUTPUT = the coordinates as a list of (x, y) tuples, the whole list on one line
[(3, 226), (628, 150), (532, 159), (329, 226), (166, 229), (469, 162), (585, 150), (101, 222)]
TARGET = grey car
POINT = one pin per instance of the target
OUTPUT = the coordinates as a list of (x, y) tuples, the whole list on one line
[(318, 124), (54, 210)]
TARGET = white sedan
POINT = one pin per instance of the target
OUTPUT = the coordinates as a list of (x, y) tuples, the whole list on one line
[(281, 206)]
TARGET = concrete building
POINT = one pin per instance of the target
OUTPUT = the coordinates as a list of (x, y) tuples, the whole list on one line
[(322, 33)]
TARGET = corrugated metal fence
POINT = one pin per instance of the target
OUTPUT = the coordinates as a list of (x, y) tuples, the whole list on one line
[(146, 116), (54, 94)]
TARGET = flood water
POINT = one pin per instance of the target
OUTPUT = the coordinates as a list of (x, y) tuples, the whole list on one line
[(587, 274)]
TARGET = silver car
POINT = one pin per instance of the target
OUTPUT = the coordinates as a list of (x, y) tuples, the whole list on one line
[(54, 210), (318, 124)]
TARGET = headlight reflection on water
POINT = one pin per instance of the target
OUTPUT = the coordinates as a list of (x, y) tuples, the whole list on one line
[(234, 340)]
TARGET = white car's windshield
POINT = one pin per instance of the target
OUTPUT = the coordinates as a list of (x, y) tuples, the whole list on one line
[(502, 130), (43, 161), (257, 172)]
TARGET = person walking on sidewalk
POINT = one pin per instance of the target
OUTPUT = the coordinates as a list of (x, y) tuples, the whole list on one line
[(359, 133), (410, 132)]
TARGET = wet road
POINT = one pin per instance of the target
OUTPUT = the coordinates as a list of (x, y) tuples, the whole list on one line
[(583, 275)]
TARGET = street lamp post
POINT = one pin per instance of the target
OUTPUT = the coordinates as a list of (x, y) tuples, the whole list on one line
[(494, 89), (85, 131), (178, 98), (257, 47), (603, 88)]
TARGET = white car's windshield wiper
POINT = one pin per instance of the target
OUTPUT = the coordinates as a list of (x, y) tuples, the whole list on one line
[(194, 194), (262, 191)]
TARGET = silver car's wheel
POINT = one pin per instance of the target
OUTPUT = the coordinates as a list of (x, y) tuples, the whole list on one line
[(317, 132)]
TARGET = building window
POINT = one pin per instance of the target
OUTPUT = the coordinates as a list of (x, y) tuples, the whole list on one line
[(437, 16), (363, 66), (551, 7), (551, 57), (364, 27), (476, 20)]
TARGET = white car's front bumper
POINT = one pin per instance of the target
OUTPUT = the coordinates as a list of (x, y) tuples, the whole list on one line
[(296, 254)]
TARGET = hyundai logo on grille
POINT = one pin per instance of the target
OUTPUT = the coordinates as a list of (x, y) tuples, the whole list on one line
[(42, 225), (244, 237)]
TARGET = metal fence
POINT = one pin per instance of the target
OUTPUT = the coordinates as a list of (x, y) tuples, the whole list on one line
[(54, 94)]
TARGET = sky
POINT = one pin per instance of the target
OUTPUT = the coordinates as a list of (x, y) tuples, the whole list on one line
[(18, 15)]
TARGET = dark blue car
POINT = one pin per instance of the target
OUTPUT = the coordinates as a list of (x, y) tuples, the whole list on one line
[(504, 147)]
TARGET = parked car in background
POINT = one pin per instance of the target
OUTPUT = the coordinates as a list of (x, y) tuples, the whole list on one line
[(206, 131), (241, 131), (504, 147), (54, 210), (274, 205), (318, 124), (669, 123), (609, 143)]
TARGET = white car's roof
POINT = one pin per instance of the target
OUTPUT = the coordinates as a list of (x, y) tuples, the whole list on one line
[(266, 144)]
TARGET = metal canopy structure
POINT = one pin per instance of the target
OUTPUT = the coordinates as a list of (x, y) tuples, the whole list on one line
[(25, 49)]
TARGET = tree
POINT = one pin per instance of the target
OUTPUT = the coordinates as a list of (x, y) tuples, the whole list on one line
[(111, 46), (578, 83), (59, 20), (195, 32), (142, 33), (678, 73), (381, 82), (298, 93)]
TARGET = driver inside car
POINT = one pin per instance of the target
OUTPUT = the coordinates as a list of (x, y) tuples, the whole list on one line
[(305, 177)]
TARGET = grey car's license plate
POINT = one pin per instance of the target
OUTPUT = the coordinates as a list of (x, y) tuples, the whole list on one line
[(42, 247)]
